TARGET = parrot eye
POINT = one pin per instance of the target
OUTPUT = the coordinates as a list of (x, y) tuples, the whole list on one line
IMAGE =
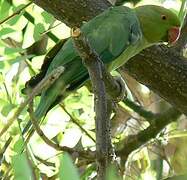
[(163, 17)]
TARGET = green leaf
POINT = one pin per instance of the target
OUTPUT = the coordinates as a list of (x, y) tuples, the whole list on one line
[(17, 22), (3, 102), (9, 50), (38, 30), (21, 167), (4, 9), (6, 109), (182, 11), (14, 20), (47, 17), (18, 146), (18, 59), (2, 65), (1, 81), (67, 170), (177, 134), (112, 174), (6, 31), (88, 172)]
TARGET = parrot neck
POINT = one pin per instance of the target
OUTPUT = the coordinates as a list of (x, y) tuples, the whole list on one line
[(131, 51)]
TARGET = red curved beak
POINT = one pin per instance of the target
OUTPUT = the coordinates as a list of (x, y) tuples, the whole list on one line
[(173, 34)]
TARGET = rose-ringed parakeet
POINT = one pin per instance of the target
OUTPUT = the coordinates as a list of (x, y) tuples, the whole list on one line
[(116, 35)]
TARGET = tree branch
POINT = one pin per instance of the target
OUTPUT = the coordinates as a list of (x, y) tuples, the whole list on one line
[(44, 84), (75, 121), (86, 154), (163, 71), (133, 142), (73, 13), (148, 115), (102, 119), (15, 13)]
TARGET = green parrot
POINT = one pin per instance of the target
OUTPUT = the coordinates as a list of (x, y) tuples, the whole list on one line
[(117, 34)]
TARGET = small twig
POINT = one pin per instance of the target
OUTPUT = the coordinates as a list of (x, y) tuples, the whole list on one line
[(44, 84), (4, 148), (30, 18), (87, 154), (51, 35), (6, 175), (182, 41), (31, 164), (133, 142), (148, 115), (15, 13), (76, 122), (7, 93), (44, 161), (11, 43), (175, 177), (50, 28)]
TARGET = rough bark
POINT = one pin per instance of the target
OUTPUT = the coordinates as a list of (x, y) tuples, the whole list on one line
[(163, 71), (73, 12), (102, 119), (155, 67), (134, 142)]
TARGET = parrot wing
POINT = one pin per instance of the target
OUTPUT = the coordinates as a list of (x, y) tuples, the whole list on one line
[(109, 34)]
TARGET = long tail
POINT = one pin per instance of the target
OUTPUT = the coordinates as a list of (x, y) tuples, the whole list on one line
[(47, 101), (74, 75)]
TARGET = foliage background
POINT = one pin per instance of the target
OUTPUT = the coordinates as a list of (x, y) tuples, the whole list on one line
[(21, 58)]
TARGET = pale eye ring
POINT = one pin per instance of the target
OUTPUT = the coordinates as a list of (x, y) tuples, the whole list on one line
[(163, 17)]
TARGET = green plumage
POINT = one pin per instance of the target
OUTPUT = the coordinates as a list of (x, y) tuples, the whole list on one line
[(116, 35)]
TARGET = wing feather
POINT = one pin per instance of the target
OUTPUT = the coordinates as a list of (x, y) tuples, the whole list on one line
[(113, 31)]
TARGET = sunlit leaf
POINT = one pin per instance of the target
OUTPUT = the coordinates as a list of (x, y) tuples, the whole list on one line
[(47, 17), (177, 134), (112, 173), (8, 50), (38, 30), (183, 10), (18, 59), (67, 170), (18, 146), (4, 9), (6, 31), (7, 108), (21, 167)]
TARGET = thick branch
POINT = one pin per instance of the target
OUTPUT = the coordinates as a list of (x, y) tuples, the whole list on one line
[(102, 119), (162, 70), (73, 13)]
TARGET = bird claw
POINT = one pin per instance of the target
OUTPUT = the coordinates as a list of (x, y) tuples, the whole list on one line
[(123, 91)]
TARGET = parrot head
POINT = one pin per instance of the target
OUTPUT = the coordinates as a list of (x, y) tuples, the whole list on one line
[(158, 24)]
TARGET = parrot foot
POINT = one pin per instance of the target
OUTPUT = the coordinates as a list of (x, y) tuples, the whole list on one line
[(123, 91)]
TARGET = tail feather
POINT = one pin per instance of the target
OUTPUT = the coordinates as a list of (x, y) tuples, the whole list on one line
[(74, 75), (47, 99)]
